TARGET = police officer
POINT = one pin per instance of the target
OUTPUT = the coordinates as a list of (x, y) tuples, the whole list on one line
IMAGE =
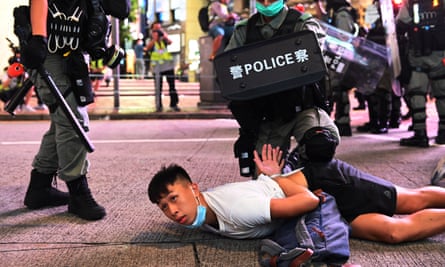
[(383, 104), (341, 15), (273, 119), (424, 22), (61, 152)]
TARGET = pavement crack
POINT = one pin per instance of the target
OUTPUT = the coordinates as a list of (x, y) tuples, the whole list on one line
[(195, 252)]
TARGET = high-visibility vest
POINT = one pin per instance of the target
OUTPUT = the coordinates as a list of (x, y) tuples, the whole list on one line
[(160, 54), (97, 64)]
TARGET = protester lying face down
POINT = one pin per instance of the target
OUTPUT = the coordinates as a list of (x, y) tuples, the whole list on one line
[(224, 209), (367, 202)]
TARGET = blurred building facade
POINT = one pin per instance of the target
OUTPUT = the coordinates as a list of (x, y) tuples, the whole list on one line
[(179, 17)]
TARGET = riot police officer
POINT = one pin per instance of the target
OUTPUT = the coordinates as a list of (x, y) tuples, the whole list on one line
[(341, 15), (61, 31), (424, 23), (383, 104), (274, 118)]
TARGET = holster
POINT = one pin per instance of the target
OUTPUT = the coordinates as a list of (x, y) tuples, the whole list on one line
[(77, 70)]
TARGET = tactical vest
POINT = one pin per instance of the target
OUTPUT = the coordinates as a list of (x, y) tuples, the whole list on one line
[(293, 18), (428, 26), (66, 25), (427, 13), (287, 103)]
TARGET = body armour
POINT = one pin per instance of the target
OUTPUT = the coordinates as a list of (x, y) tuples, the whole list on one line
[(428, 26), (66, 24)]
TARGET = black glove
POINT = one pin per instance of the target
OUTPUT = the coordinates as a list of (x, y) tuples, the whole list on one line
[(243, 150), (33, 54)]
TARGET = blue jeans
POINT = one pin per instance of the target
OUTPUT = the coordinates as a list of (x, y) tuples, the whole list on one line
[(219, 29)]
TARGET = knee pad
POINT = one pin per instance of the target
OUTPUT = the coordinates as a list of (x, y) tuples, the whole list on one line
[(318, 144)]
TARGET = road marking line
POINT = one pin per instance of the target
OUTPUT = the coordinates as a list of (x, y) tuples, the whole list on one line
[(120, 141), (379, 137)]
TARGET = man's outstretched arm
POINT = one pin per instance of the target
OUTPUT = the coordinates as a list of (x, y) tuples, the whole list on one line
[(299, 199)]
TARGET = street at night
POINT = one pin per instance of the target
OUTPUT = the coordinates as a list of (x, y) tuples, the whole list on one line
[(136, 233)]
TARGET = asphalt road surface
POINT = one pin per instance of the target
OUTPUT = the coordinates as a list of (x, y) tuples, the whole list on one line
[(135, 233)]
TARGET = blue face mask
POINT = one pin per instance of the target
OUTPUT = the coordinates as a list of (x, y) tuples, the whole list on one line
[(271, 10), (200, 217), (200, 214)]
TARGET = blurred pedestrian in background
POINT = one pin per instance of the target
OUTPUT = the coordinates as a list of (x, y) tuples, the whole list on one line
[(140, 61), (162, 64)]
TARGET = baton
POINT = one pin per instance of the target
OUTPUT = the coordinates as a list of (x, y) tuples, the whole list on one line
[(18, 97), (66, 109)]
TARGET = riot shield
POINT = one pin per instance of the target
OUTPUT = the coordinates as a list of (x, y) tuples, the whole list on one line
[(387, 17), (270, 66), (354, 61)]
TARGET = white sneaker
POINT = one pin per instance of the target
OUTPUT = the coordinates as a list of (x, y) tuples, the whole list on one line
[(27, 108)]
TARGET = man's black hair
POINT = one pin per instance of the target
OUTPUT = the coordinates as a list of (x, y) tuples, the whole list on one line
[(164, 177)]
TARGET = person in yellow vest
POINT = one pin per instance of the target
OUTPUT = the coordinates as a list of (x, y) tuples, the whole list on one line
[(97, 69), (162, 64)]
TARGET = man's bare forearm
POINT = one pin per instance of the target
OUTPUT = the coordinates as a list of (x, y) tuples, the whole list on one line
[(39, 12)]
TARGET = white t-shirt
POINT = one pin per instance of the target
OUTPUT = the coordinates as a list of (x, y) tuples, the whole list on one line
[(243, 209)]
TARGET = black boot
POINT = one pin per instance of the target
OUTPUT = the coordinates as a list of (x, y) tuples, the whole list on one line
[(380, 130), (81, 202), (41, 194), (394, 123), (373, 114), (383, 111), (420, 139), (382, 127), (361, 101), (344, 129), (440, 139), (364, 128), (396, 115)]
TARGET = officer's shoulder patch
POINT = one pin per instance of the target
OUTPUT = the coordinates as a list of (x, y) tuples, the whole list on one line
[(305, 16)]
